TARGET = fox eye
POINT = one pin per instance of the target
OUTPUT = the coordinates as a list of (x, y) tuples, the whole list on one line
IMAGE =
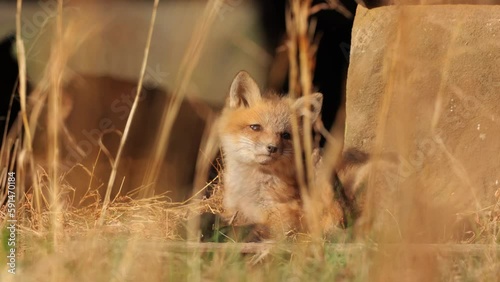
[(286, 136), (256, 127)]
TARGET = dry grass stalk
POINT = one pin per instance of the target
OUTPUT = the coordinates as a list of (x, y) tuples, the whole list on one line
[(21, 54), (294, 89), (25, 157), (58, 55), (188, 64), (300, 31), (126, 131), (305, 62), (208, 151)]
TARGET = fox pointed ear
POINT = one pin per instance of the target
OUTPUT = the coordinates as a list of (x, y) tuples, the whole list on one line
[(244, 91), (309, 105)]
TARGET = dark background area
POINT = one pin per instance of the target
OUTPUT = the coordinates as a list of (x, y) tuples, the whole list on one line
[(8, 82), (334, 31)]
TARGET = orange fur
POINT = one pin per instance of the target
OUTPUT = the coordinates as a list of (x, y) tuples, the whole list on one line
[(260, 177)]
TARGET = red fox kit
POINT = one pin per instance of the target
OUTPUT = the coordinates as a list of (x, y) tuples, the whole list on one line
[(255, 129)]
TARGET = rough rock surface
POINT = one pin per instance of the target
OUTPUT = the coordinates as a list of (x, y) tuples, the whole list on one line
[(423, 93), (379, 3)]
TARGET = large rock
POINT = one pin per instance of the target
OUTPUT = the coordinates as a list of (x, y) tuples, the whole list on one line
[(423, 86), (379, 3)]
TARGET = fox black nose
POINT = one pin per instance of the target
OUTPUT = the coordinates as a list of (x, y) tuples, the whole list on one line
[(271, 148)]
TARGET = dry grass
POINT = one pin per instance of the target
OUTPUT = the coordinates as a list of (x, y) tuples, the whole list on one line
[(153, 239), (124, 137)]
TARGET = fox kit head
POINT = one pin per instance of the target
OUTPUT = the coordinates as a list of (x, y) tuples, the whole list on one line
[(256, 129)]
